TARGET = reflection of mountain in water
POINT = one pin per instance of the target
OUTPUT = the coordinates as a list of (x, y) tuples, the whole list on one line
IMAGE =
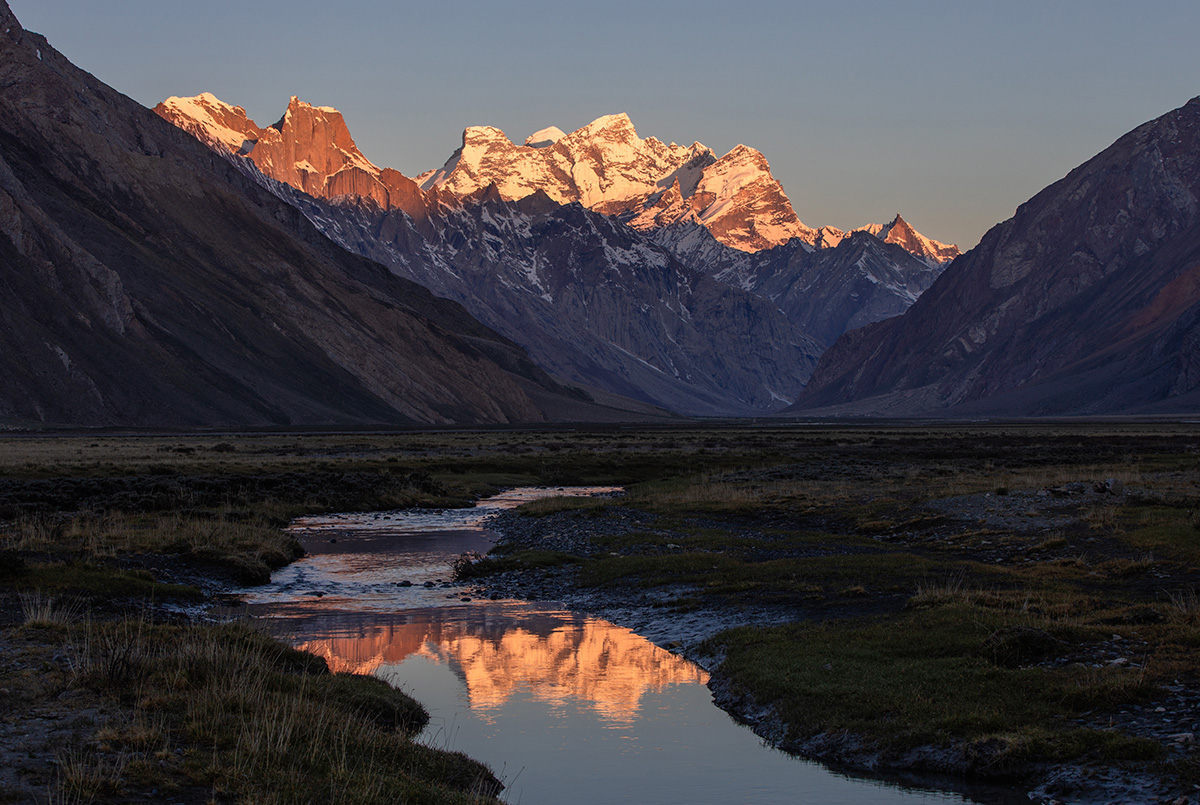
[(557, 656)]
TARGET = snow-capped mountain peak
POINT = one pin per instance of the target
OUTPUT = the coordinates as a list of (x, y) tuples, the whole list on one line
[(604, 166), (607, 167), (901, 233), (211, 120), (544, 137)]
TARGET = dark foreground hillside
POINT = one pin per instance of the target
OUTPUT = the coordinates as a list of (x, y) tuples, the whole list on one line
[(144, 281), (1087, 301)]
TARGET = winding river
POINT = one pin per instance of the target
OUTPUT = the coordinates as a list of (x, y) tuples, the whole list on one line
[(564, 707)]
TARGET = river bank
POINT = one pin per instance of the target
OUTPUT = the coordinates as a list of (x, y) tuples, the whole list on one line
[(118, 688), (651, 573)]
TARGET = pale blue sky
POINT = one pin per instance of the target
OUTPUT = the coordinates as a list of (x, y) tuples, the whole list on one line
[(951, 113)]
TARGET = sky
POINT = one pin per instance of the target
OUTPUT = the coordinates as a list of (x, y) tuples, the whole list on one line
[(951, 112)]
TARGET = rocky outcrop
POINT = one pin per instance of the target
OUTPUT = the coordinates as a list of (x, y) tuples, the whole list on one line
[(1086, 301), (309, 148), (147, 282)]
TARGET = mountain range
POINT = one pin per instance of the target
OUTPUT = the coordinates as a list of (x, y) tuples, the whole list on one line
[(554, 245), (201, 270)]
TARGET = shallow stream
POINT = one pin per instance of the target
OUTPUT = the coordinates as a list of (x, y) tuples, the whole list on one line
[(564, 707)]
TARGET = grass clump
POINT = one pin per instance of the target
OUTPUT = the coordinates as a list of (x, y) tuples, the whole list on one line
[(563, 503), (473, 565), (103, 581)]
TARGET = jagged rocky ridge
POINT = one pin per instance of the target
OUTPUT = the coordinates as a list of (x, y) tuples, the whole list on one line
[(825, 292), (145, 281), (1087, 301), (594, 302)]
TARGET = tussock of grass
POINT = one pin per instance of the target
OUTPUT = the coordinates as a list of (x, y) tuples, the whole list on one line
[(85, 776), (41, 609), (1186, 606), (933, 593)]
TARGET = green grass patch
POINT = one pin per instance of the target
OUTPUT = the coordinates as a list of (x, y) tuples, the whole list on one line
[(471, 567), (926, 677), (1172, 531), (563, 503), (728, 574), (84, 579), (239, 541)]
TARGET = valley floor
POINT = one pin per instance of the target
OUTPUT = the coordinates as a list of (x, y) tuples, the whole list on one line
[(1014, 605)]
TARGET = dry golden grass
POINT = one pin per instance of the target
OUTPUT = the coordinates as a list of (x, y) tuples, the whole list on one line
[(251, 721), (41, 609)]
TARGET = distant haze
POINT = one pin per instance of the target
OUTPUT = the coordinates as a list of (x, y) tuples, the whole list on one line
[(951, 113)]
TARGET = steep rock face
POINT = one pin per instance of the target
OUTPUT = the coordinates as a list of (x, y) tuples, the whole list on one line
[(593, 301), (310, 148), (901, 233), (145, 282), (832, 291), (736, 199), (1086, 301), (599, 304)]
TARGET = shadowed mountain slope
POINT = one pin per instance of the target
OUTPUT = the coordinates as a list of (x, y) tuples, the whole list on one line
[(1086, 301), (146, 281), (593, 301)]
